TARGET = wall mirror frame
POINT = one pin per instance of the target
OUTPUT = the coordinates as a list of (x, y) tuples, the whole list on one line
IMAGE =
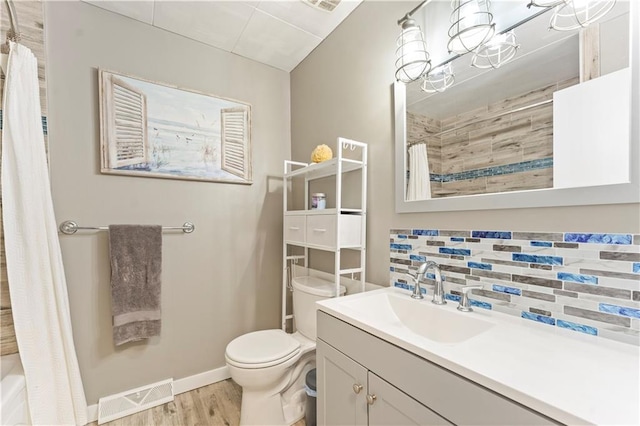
[(588, 195)]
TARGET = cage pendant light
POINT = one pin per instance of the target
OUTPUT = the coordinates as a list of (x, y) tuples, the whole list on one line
[(472, 25), (438, 80), (412, 58), (573, 14), (496, 52)]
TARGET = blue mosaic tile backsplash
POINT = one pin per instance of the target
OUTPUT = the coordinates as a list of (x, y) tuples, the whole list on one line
[(585, 282)]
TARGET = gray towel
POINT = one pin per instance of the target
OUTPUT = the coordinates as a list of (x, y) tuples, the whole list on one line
[(136, 264)]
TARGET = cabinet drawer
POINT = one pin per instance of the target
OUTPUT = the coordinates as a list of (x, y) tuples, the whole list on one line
[(294, 229), (321, 230)]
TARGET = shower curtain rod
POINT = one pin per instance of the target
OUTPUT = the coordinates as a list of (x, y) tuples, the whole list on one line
[(69, 227), (13, 33), (13, 18)]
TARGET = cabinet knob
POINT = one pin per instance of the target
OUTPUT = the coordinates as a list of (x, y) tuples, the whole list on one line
[(371, 399), (357, 388)]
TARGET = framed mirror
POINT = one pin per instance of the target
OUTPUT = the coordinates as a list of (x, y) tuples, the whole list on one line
[(538, 131)]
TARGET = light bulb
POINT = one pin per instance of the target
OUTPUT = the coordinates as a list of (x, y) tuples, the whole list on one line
[(472, 25)]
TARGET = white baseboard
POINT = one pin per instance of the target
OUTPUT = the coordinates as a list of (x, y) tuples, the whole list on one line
[(201, 379), (92, 413), (185, 384)]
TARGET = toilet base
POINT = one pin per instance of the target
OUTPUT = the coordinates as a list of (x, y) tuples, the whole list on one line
[(283, 408), (260, 409), (294, 408), (275, 395)]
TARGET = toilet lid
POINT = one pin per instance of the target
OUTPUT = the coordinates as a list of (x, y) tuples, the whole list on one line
[(262, 348)]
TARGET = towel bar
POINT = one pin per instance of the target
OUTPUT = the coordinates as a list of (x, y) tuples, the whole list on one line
[(69, 227)]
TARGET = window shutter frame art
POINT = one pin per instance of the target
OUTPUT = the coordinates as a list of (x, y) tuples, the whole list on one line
[(151, 129), (127, 124), (235, 141)]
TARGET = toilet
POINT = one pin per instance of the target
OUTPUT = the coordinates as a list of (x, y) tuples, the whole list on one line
[(271, 365)]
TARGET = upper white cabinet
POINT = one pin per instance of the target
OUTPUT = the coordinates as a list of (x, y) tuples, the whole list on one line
[(591, 123), (334, 228)]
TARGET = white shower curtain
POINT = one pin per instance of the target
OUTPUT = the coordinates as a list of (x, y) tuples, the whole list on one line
[(419, 186), (34, 262)]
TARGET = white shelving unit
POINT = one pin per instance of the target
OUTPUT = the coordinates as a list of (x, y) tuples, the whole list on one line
[(332, 229)]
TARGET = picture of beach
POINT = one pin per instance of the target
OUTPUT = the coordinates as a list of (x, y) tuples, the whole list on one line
[(154, 130)]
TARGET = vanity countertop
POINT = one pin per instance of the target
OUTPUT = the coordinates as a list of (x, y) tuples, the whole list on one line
[(568, 376)]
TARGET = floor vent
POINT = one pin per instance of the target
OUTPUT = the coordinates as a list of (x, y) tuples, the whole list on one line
[(135, 400), (326, 5)]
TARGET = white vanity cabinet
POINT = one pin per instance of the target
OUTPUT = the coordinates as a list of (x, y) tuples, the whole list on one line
[(408, 389)]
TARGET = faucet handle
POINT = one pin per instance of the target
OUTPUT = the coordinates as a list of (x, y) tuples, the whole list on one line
[(464, 304), (417, 291)]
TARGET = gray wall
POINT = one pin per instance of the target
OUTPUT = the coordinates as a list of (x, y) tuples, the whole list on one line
[(344, 88), (217, 283)]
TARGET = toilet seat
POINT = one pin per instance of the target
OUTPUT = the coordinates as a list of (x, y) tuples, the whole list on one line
[(261, 349)]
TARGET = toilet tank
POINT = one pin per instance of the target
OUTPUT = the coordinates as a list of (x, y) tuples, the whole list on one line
[(306, 292)]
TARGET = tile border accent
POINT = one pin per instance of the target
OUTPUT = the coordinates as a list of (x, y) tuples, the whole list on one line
[(504, 169)]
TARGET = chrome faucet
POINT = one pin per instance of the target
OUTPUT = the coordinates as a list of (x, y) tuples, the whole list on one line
[(438, 291), (420, 274)]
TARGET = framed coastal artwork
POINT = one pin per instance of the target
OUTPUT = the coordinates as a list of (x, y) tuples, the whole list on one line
[(157, 130)]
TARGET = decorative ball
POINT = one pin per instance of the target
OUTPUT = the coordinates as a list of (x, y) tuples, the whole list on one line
[(321, 153)]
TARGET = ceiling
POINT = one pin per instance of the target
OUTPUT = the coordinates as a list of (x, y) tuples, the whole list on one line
[(277, 33)]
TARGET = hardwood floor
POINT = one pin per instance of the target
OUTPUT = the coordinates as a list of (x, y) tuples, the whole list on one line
[(214, 405)]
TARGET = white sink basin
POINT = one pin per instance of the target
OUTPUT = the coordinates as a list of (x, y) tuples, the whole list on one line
[(540, 366), (442, 324)]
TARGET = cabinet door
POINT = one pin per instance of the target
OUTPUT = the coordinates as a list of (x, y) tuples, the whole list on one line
[(342, 388), (393, 407)]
